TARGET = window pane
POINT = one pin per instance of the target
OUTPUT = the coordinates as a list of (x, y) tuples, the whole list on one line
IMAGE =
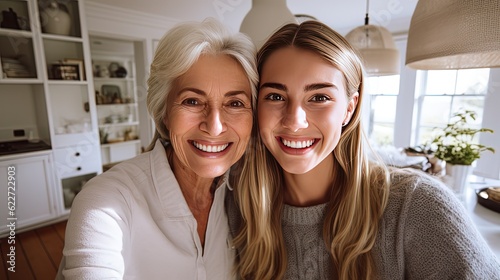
[(472, 81), (444, 92), (472, 103), (426, 135), (435, 111), (382, 134), (387, 85), (441, 82), (383, 108)]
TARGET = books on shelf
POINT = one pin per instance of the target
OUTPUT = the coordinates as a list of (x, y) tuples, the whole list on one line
[(14, 68), (68, 69)]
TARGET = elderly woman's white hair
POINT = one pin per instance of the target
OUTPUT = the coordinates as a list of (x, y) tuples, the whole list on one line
[(180, 48)]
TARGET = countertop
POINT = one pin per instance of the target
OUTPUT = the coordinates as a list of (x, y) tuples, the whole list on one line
[(486, 221), (22, 146)]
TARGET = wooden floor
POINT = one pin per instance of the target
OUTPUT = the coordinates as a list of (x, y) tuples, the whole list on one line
[(38, 253)]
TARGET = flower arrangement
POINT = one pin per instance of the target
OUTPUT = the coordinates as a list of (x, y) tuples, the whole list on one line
[(454, 144)]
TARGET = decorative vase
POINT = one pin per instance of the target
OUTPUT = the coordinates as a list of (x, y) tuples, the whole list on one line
[(56, 19), (458, 175)]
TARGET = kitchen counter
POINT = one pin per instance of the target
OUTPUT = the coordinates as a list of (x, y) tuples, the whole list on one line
[(22, 146), (486, 221)]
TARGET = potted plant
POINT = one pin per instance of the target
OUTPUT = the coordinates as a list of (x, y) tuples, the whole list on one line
[(454, 144)]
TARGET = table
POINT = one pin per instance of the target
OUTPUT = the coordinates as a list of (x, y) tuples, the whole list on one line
[(486, 221)]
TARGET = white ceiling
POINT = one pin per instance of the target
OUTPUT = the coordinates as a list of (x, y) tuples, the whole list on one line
[(395, 15)]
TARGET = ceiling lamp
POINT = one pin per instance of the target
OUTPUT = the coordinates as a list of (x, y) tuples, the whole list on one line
[(304, 17), (265, 17), (377, 48), (454, 34)]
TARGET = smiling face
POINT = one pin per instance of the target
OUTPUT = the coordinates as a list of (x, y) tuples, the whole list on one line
[(209, 116), (302, 105)]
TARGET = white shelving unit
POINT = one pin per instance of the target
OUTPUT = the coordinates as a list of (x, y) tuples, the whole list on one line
[(116, 98), (45, 90)]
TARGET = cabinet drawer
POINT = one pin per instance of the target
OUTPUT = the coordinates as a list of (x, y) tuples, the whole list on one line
[(77, 160)]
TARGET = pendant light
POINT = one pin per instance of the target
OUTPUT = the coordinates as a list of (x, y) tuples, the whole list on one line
[(454, 34), (376, 47), (265, 17)]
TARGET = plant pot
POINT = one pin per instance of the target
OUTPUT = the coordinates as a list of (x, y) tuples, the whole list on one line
[(458, 175)]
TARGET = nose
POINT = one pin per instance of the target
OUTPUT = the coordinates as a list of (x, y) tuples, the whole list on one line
[(295, 118), (214, 123)]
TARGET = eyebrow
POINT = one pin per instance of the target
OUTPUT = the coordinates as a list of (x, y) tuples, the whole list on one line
[(277, 86), (319, 86), (310, 87), (201, 92)]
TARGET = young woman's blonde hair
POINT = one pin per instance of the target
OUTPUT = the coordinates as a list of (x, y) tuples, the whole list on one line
[(179, 49), (359, 193)]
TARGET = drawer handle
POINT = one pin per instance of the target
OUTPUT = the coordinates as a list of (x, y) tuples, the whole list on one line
[(78, 168), (77, 154)]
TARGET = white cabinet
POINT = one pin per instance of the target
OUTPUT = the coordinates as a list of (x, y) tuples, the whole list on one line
[(76, 160), (116, 98), (34, 195)]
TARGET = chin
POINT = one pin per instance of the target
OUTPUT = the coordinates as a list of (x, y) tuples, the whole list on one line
[(294, 169), (213, 172)]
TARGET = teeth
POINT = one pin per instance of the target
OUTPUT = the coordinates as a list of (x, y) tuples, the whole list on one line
[(210, 148), (297, 144)]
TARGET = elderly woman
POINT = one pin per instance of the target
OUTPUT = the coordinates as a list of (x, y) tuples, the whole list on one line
[(161, 215)]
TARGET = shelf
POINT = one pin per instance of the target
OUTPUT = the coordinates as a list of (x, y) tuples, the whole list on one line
[(67, 82), (17, 55), (118, 124), (107, 145), (22, 14), (114, 71), (127, 79), (116, 104), (14, 81), (62, 38), (16, 33)]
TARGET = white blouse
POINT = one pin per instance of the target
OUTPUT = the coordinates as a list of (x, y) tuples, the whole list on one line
[(132, 222)]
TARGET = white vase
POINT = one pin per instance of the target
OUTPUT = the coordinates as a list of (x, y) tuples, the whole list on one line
[(458, 176), (55, 20)]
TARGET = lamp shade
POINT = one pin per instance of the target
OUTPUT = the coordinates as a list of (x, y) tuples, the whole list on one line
[(377, 49), (454, 34), (265, 17)]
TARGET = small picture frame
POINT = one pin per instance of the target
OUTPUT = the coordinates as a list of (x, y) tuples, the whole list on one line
[(112, 94), (79, 62)]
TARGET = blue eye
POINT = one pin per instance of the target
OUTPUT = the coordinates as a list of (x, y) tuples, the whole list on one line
[(274, 97)]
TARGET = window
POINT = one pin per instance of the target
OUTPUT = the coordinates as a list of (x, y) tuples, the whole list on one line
[(444, 93), (383, 93)]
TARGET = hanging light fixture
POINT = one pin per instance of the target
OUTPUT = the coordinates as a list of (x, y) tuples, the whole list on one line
[(454, 34), (377, 48), (265, 17)]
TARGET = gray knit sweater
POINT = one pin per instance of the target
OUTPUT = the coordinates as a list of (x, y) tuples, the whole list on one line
[(425, 233)]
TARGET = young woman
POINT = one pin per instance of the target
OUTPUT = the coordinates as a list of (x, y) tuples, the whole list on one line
[(313, 205), (161, 215)]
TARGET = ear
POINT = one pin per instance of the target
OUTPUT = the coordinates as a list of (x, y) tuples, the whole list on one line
[(351, 106)]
